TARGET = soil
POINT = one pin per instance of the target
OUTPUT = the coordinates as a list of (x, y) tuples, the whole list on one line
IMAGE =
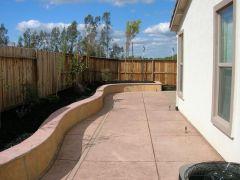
[(169, 88), (16, 127)]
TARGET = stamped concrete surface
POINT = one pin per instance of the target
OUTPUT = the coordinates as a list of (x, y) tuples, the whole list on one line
[(135, 136)]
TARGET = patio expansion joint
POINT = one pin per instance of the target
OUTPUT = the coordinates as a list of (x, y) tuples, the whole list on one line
[(120, 161), (87, 149), (64, 159), (180, 135), (155, 161)]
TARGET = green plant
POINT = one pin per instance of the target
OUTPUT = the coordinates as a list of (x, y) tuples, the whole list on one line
[(77, 67), (1, 80), (132, 29), (4, 39), (30, 94), (52, 98), (106, 75), (30, 98), (22, 111), (59, 67), (6, 87)]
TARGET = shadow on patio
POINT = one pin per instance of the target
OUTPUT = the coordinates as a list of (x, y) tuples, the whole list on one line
[(135, 136)]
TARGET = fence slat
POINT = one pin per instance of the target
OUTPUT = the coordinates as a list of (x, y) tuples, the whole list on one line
[(48, 72)]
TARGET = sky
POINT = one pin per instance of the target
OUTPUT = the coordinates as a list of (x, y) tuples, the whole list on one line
[(18, 15)]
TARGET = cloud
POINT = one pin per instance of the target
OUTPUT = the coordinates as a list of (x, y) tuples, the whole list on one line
[(157, 39), (161, 34), (133, 11), (49, 3), (160, 28), (37, 25), (154, 35), (118, 34), (123, 2), (55, 2), (114, 2), (157, 45)]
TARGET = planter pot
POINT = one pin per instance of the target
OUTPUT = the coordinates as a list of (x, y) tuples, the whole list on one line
[(210, 171)]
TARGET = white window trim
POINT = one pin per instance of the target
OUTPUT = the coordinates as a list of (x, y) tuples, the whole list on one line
[(180, 62), (223, 125)]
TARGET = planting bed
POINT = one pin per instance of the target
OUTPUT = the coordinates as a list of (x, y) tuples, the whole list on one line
[(31, 158), (15, 129)]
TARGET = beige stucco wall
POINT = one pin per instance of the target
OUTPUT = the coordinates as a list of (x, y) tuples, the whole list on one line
[(31, 158), (198, 78)]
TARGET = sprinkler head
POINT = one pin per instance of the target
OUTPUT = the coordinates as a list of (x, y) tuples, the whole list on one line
[(186, 130)]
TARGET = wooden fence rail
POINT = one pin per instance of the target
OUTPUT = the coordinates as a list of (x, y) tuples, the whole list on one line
[(47, 72)]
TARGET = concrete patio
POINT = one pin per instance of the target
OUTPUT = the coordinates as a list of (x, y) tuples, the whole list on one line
[(135, 136)]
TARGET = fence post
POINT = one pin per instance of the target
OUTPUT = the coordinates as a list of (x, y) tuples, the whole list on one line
[(36, 73), (125, 69), (153, 64), (94, 74), (119, 69), (83, 72), (43, 72)]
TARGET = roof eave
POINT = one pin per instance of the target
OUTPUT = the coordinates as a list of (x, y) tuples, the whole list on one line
[(178, 14), (172, 18)]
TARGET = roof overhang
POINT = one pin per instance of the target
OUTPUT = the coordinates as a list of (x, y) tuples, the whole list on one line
[(178, 14)]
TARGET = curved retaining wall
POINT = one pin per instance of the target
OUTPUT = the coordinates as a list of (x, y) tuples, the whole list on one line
[(31, 158)]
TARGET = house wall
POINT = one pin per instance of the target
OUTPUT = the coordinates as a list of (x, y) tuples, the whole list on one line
[(196, 104)]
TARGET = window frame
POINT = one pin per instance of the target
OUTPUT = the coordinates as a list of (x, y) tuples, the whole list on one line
[(180, 63), (222, 124)]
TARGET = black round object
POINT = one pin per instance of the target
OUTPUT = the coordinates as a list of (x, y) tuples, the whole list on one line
[(212, 171)]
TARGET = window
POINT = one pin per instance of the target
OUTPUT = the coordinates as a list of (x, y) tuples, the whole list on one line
[(224, 65), (180, 64)]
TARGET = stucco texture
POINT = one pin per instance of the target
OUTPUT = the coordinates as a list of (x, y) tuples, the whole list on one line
[(196, 104)]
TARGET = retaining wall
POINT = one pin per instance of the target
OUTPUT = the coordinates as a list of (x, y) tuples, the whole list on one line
[(31, 158)]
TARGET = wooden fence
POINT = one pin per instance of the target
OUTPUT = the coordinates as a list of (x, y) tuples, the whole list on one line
[(48, 72)]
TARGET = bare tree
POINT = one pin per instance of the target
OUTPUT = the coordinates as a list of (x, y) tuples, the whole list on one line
[(55, 39), (34, 39), (4, 39), (20, 41), (72, 35), (106, 32), (27, 38), (91, 27), (116, 51)]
